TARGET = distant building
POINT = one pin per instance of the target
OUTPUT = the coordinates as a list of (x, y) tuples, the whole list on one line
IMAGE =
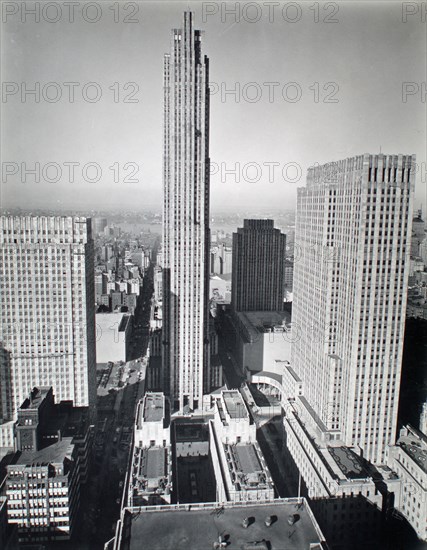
[(99, 224), (114, 331), (418, 233), (258, 267), (240, 469), (219, 292), (130, 301), (221, 259), (150, 475), (158, 284), (116, 300), (48, 327), (288, 276)]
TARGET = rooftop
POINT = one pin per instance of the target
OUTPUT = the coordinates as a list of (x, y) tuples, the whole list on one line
[(247, 467), (151, 470), (153, 410), (53, 454), (257, 322), (37, 395), (415, 446), (107, 322), (199, 526), (234, 404), (349, 462)]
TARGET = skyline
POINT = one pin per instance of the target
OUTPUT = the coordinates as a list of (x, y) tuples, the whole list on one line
[(367, 41)]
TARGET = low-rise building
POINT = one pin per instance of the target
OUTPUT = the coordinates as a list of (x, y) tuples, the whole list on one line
[(282, 523), (408, 458), (113, 333), (53, 443), (42, 490), (150, 475), (261, 338), (240, 469)]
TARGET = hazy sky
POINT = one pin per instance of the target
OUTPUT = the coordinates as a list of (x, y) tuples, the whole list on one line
[(286, 67)]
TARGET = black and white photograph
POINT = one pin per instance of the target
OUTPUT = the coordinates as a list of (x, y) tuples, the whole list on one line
[(213, 275)]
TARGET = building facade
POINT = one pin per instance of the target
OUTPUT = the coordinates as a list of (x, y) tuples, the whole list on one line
[(353, 230), (186, 219), (408, 458), (258, 267), (47, 307)]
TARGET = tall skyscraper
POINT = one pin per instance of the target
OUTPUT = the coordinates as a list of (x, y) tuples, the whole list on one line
[(258, 267), (47, 309), (185, 354), (353, 236)]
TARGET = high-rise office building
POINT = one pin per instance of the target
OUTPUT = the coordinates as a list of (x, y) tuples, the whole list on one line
[(258, 267), (185, 355), (47, 309), (353, 232)]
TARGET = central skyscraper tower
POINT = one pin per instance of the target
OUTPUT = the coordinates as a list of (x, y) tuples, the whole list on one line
[(185, 349)]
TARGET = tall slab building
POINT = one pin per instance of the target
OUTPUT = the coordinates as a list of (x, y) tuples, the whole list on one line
[(185, 353), (47, 301), (353, 236), (258, 267)]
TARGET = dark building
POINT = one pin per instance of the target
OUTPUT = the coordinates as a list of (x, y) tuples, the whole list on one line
[(258, 267), (53, 443)]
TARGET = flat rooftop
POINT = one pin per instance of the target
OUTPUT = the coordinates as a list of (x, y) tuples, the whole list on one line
[(155, 464), (198, 527), (150, 470), (248, 459), (349, 462), (263, 321), (109, 321), (153, 409), (247, 466), (416, 447), (234, 404)]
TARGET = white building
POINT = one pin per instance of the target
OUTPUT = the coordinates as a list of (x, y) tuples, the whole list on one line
[(150, 475), (353, 230), (240, 469), (47, 311), (261, 338), (186, 219), (409, 459), (113, 333)]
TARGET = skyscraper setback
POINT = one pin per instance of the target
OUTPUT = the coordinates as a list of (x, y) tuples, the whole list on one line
[(353, 232), (47, 309), (185, 353)]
